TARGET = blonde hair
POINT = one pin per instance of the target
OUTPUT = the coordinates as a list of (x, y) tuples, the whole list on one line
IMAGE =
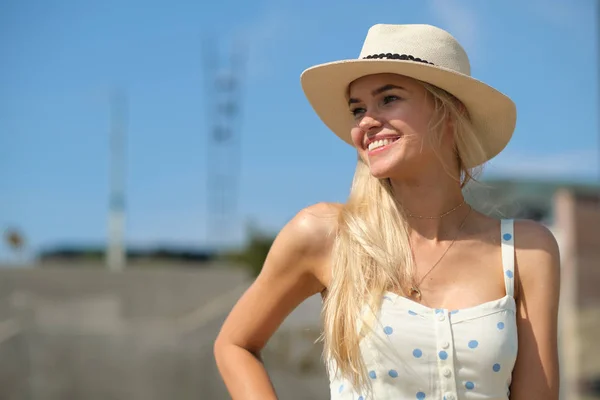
[(371, 252)]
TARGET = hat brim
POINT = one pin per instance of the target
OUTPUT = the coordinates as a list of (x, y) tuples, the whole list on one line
[(492, 113)]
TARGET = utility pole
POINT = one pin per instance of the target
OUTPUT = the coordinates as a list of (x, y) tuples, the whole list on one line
[(116, 251)]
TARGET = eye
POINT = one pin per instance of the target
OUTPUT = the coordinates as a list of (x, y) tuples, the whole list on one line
[(390, 98), (357, 112)]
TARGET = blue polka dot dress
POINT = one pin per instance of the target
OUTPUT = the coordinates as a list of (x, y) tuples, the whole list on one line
[(417, 352)]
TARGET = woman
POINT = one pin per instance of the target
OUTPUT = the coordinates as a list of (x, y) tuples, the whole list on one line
[(424, 297)]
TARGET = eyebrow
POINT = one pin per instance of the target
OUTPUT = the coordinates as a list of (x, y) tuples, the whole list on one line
[(377, 91)]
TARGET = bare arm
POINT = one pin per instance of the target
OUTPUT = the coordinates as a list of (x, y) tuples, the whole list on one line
[(292, 272), (536, 373)]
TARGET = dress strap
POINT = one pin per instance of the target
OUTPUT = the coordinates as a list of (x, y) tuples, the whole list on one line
[(508, 254)]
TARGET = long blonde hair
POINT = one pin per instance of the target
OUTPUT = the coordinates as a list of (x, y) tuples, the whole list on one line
[(371, 252)]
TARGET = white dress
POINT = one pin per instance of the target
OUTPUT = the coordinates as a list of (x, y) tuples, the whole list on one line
[(417, 352)]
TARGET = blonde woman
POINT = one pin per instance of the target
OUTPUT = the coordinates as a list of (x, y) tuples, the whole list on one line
[(423, 297)]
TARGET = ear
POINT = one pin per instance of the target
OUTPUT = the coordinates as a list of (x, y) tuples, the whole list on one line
[(462, 110), (449, 127)]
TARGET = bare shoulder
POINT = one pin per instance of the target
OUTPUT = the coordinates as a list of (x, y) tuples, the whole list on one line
[(536, 242), (315, 225), (537, 253), (306, 240)]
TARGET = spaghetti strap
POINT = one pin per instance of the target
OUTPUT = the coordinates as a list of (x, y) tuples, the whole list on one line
[(508, 254)]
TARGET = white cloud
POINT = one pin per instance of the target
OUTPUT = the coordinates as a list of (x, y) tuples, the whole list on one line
[(460, 21), (580, 163)]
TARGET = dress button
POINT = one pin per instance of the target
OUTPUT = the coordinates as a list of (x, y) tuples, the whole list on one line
[(450, 396), (445, 345), (441, 317), (447, 372)]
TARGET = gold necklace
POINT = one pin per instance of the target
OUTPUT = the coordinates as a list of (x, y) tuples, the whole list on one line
[(440, 216), (414, 290)]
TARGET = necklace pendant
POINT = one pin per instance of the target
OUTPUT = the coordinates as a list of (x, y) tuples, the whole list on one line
[(415, 292)]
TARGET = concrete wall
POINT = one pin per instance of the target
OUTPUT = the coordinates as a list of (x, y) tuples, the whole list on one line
[(86, 334)]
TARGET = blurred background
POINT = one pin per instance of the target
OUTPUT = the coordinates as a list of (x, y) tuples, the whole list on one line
[(150, 152)]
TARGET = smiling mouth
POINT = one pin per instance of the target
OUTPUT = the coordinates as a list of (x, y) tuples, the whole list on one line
[(377, 144)]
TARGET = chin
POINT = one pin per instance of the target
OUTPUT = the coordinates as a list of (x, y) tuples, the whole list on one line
[(384, 169), (382, 173)]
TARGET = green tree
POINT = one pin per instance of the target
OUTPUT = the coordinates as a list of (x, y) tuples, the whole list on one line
[(253, 255)]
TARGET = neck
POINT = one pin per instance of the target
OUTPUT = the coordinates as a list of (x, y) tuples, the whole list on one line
[(427, 198)]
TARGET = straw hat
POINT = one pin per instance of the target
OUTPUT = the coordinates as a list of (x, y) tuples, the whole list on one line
[(422, 52)]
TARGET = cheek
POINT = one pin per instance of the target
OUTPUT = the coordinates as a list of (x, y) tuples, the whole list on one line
[(412, 129), (408, 120), (357, 137)]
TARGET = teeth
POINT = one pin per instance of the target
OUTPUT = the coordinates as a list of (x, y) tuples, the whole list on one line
[(379, 143)]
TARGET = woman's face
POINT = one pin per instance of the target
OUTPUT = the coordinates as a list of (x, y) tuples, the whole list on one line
[(392, 114)]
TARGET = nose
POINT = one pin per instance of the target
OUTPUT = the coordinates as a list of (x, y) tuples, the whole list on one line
[(368, 123)]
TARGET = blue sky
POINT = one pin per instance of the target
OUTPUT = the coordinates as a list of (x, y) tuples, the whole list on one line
[(60, 60)]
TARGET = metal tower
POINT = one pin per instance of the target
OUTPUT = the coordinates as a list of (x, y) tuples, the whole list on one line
[(223, 94)]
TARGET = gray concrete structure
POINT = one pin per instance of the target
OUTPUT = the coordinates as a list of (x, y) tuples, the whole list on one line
[(86, 334)]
